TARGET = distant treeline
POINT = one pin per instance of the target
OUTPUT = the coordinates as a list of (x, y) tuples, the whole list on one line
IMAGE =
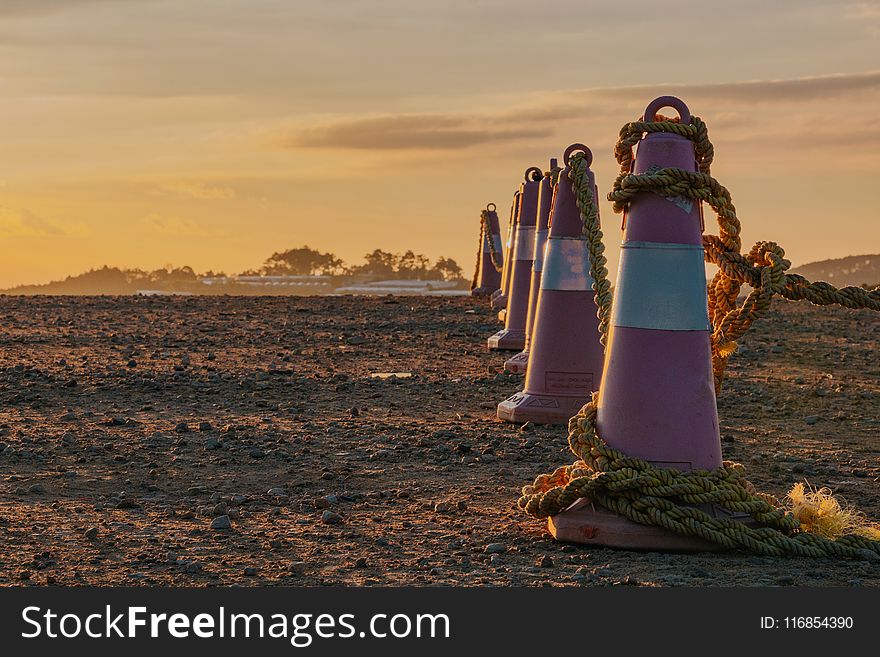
[(305, 261), (302, 261)]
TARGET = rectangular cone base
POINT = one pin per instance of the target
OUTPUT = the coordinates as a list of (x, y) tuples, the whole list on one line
[(539, 409), (499, 302), (507, 340), (585, 523), (517, 364)]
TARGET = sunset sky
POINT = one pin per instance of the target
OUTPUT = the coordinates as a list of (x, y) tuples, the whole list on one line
[(213, 132)]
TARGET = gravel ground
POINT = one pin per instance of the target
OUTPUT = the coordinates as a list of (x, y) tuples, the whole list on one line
[(201, 441)]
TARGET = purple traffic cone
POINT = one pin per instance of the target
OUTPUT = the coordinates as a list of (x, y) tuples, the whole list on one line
[(657, 399), (513, 335), (488, 277), (565, 355), (498, 300), (517, 364)]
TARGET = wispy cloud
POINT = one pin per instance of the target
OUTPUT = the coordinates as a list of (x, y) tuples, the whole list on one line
[(197, 190), (411, 131), (174, 225), (23, 223)]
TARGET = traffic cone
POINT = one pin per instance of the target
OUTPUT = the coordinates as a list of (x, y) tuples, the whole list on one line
[(498, 300), (487, 278), (513, 335), (657, 399), (565, 355), (517, 364)]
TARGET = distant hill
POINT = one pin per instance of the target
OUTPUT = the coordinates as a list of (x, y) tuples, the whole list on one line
[(852, 270)]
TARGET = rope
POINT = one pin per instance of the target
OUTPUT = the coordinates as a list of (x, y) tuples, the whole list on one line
[(583, 193), (632, 487), (663, 497)]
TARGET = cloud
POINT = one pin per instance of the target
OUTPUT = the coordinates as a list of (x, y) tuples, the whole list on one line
[(412, 131), (197, 190), (542, 112), (174, 225), (820, 87), (23, 223)]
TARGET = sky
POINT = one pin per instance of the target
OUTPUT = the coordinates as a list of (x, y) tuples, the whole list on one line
[(211, 133)]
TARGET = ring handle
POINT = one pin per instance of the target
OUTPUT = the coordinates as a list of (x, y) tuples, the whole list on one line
[(491, 207), (577, 148), (534, 174), (684, 114)]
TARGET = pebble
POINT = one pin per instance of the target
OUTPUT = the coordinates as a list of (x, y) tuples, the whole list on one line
[(277, 491), (331, 518), (361, 562), (220, 509), (221, 522), (205, 426), (182, 427), (91, 533), (212, 443), (257, 453), (356, 339), (811, 419), (545, 561), (496, 548), (250, 571)]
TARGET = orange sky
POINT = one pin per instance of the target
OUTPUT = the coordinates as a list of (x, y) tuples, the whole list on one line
[(152, 132)]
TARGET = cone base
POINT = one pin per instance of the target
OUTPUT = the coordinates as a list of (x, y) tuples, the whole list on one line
[(517, 364), (499, 302), (502, 315), (507, 340), (540, 409), (482, 292), (590, 524)]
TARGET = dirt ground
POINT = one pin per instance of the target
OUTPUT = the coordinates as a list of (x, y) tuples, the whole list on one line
[(128, 426)]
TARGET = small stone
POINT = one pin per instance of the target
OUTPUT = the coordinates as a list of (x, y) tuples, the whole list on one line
[(37, 489), (331, 518), (193, 567), (132, 363), (776, 350), (205, 426), (496, 548), (221, 522), (250, 571), (68, 438), (811, 419), (182, 427), (361, 562), (212, 443), (91, 533), (277, 491), (220, 509), (353, 411), (321, 503), (356, 339), (545, 561), (257, 453)]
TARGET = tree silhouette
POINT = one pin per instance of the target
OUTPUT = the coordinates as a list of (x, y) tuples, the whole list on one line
[(302, 261)]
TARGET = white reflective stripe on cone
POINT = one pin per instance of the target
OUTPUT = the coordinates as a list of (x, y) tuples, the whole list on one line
[(566, 265), (661, 286), (540, 242), (525, 242)]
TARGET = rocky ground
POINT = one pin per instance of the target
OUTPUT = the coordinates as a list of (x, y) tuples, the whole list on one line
[(219, 441)]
